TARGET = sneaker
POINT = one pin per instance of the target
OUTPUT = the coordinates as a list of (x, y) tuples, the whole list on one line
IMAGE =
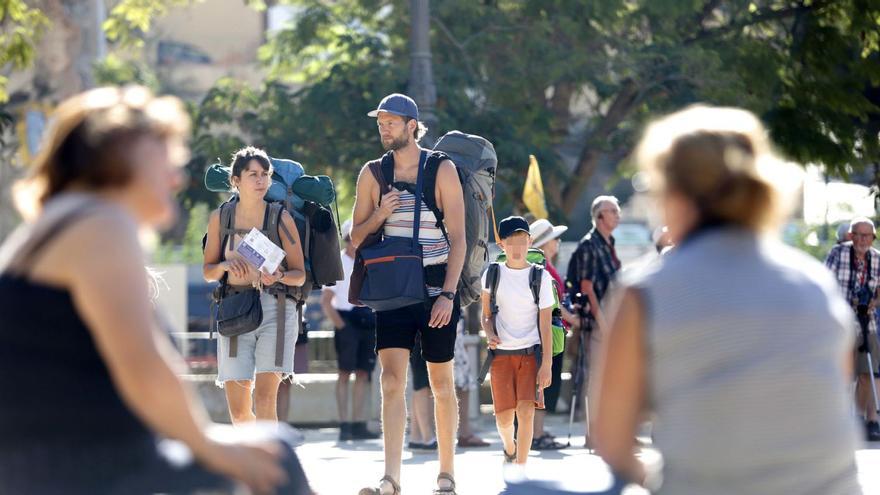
[(345, 432), (359, 431), (872, 430)]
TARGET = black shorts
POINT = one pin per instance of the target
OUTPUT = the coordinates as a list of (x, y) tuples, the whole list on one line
[(355, 343), (397, 328), (419, 368)]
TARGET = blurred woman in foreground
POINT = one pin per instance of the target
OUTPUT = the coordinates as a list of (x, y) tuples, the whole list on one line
[(739, 345), (89, 380)]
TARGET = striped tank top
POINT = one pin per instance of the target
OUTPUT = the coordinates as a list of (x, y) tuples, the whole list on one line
[(435, 249)]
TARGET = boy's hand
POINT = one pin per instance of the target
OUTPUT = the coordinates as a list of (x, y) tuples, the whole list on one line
[(492, 339), (544, 376)]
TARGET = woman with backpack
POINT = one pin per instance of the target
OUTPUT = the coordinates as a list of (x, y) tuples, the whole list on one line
[(92, 403), (251, 365)]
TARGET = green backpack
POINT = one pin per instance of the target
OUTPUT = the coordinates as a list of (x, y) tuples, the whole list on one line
[(536, 258)]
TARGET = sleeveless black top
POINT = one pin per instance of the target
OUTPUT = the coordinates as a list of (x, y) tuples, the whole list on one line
[(56, 387)]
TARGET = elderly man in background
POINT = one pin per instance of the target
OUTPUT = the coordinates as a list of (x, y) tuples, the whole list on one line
[(591, 269), (856, 265)]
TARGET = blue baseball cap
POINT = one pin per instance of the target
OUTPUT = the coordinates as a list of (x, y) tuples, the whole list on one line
[(397, 104), (511, 225)]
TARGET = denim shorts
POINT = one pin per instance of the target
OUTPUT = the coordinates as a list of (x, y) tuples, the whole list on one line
[(256, 350)]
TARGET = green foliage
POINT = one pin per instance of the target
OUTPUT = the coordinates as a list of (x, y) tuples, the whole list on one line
[(815, 240), (571, 81), (511, 71), (21, 27), (114, 70), (129, 19), (190, 251)]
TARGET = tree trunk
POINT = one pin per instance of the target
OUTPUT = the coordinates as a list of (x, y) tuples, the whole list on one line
[(594, 147), (421, 76), (560, 106)]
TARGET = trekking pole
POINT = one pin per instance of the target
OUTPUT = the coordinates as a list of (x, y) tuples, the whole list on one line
[(862, 311), (577, 380)]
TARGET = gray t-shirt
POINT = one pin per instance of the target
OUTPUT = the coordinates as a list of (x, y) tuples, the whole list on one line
[(746, 343)]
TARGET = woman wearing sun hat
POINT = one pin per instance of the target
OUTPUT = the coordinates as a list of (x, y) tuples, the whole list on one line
[(545, 236)]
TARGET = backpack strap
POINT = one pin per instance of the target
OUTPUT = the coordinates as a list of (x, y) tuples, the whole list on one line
[(227, 227), (272, 221), (283, 228), (227, 235), (432, 167), (386, 169), (492, 276), (536, 275), (375, 168), (280, 321), (273, 226)]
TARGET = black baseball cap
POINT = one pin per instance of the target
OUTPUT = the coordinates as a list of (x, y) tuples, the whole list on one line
[(510, 225)]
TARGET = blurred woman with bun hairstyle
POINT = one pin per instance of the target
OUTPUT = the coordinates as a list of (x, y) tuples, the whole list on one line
[(91, 401), (738, 345)]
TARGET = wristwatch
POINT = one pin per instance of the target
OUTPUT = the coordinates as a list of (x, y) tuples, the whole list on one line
[(448, 295)]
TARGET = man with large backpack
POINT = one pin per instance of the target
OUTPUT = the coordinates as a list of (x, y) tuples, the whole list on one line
[(392, 212)]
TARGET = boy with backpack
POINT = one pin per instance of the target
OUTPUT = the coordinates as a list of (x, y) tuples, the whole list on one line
[(519, 337)]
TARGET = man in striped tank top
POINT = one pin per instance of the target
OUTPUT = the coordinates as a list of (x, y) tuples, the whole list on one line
[(435, 322)]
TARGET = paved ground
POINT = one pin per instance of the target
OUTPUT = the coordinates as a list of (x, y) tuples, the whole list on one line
[(342, 469)]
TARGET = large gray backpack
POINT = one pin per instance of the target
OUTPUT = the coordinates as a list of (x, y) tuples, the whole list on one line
[(476, 161)]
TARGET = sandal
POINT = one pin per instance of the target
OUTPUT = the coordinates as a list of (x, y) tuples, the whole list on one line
[(472, 441), (546, 442), (378, 489), (450, 490), (509, 458)]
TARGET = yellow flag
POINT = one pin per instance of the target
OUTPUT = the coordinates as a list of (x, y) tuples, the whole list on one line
[(533, 190)]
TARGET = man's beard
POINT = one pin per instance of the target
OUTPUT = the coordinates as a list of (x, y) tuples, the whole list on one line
[(396, 143)]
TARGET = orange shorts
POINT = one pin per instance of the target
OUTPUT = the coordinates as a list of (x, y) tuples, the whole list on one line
[(515, 378)]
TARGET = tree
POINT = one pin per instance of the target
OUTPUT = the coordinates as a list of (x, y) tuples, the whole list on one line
[(571, 81), (20, 29), (538, 75)]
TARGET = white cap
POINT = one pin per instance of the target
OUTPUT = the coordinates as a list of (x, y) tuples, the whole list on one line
[(542, 232)]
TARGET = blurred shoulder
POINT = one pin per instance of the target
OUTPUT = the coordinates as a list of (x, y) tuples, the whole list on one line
[(797, 265)]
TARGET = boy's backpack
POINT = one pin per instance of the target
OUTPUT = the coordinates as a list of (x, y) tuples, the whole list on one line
[(475, 161), (538, 261)]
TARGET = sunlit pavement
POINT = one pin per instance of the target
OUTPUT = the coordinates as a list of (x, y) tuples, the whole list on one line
[(343, 468)]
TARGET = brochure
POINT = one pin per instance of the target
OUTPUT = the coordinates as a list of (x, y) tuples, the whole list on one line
[(260, 252)]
